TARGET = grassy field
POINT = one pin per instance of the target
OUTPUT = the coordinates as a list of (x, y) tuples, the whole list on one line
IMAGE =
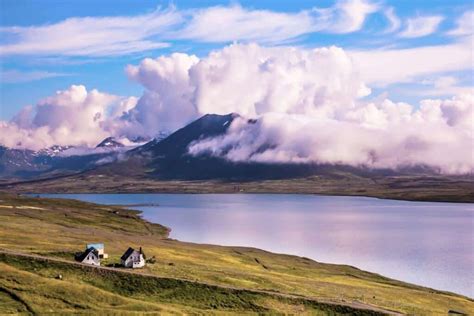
[(186, 278), (416, 188)]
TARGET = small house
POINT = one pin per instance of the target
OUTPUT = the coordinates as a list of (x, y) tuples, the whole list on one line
[(100, 248), (133, 258), (90, 256)]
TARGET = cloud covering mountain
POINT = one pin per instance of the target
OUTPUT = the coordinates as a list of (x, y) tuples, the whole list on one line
[(311, 104)]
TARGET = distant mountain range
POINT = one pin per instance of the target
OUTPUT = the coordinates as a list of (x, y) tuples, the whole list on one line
[(168, 159), (20, 164), (163, 158), (165, 165), (166, 155)]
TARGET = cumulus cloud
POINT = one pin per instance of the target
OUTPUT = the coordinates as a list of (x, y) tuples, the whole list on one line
[(385, 135), (248, 79), (168, 99), (70, 117), (421, 26), (310, 105)]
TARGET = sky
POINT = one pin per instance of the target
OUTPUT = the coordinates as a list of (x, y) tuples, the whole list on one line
[(76, 71), (43, 68)]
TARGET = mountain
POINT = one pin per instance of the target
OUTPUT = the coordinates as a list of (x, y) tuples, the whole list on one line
[(168, 159), (13, 161), (162, 158), (166, 166), (110, 142), (23, 164), (52, 151)]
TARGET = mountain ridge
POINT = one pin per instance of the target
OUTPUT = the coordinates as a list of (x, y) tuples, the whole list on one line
[(167, 166)]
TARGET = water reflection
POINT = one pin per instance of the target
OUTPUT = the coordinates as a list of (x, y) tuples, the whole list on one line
[(424, 243)]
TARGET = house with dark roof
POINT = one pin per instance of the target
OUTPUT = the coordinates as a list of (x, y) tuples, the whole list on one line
[(133, 258), (90, 256)]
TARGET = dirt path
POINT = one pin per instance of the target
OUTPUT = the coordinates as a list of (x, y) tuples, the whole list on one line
[(353, 304)]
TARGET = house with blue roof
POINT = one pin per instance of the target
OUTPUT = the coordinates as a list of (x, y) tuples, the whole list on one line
[(100, 249)]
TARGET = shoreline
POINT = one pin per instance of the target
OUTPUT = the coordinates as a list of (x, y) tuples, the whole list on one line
[(31, 194), (426, 188), (258, 247), (205, 263)]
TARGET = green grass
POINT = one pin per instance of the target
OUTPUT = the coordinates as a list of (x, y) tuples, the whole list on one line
[(35, 288), (192, 278)]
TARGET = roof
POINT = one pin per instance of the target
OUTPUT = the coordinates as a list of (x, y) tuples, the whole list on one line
[(127, 253), (96, 246), (83, 255)]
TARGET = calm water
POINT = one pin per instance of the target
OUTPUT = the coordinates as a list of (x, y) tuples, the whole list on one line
[(431, 244)]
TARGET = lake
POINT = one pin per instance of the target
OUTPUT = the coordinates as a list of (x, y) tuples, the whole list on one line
[(430, 244)]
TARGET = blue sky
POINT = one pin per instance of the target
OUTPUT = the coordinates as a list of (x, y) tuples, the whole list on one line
[(32, 71)]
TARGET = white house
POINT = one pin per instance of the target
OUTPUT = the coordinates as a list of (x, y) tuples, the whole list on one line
[(100, 248), (90, 256), (133, 258)]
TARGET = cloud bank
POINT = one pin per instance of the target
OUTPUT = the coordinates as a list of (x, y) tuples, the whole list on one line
[(384, 135), (70, 117), (310, 106)]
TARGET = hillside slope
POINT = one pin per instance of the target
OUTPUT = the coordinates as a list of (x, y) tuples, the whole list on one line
[(58, 228)]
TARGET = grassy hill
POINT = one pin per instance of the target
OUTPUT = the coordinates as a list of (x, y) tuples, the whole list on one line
[(40, 236)]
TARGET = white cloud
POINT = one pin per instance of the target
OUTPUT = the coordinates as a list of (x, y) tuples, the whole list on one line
[(308, 107), (456, 112), (308, 104), (349, 15), (383, 67), (421, 26), (232, 23), (464, 25), (384, 135), (15, 76), (393, 20), (235, 23), (70, 117), (122, 35), (248, 79), (435, 86), (444, 82), (91, 36), (167, 101)]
